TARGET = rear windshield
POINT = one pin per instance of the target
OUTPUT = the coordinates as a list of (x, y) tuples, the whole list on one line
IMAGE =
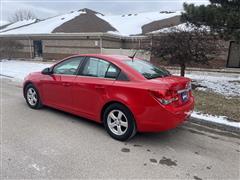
[(147, 69)]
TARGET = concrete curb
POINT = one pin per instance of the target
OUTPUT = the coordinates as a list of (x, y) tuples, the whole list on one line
[(6, 76), (215, 125)]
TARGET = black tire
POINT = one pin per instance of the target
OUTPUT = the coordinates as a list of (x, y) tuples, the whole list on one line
[(38, 103), (130, 131)]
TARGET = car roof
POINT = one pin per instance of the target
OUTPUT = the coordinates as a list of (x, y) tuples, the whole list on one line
[(113, 57)]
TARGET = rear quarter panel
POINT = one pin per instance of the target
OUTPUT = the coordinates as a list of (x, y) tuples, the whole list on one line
[(134, 96)]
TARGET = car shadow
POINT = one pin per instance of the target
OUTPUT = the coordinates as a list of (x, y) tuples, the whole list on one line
[(157, 138), (142, 139), (75, 118)]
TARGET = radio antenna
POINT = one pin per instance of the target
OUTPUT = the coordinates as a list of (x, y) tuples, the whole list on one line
[(132, 57)]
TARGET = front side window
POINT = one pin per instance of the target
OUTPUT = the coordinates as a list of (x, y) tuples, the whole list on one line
[(68, 67), (148, 70), (99, 68)]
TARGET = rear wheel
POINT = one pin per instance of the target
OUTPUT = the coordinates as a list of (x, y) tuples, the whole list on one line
[(32, 97), (119, 122)]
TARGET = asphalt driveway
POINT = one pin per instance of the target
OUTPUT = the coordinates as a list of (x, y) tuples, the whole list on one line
[(48, 143)]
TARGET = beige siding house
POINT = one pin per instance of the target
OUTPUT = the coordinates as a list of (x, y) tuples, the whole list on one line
[(84, 31)]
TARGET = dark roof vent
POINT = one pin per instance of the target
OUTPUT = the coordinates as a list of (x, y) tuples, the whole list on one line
[(166, 12)]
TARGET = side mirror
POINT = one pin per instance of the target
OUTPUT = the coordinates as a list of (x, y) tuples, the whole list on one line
[(47, 71)]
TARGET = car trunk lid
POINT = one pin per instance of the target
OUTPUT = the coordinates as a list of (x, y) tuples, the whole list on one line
[(171, 90), (171, 82)]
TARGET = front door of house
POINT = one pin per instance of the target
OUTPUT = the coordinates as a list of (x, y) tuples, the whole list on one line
[(37, 45)]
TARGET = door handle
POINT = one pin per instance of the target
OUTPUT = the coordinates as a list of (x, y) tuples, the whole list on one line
[(66, 84)]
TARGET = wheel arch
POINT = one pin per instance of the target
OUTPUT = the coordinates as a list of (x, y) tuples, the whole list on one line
[(115, 102), (25, 85)]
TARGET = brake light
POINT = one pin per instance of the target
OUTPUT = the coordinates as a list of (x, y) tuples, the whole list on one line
[(165, 97)]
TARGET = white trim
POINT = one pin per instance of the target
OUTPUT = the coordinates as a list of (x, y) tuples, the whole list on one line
[(73, 35)]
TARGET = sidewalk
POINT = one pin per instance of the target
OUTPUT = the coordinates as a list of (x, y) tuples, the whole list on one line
[(189, 69)]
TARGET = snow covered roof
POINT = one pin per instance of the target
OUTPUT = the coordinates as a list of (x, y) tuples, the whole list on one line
[(17, 25), (45, 26), (131, 24), (86, 20), (181, 27)]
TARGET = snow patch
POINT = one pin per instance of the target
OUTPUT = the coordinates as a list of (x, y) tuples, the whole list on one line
[(20, 69), (221, 84), (216, 119), (114, 32), (201, 89)]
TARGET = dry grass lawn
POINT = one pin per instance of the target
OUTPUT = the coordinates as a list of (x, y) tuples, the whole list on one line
[(216, 104)]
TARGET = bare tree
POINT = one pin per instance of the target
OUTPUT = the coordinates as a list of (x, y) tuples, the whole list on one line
[(183, 47), (22, 14)]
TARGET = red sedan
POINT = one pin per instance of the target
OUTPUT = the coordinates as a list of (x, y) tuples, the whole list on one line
[(125, 94)]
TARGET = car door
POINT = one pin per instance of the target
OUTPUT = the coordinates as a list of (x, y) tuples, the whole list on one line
[(92, 86), (57, 87)]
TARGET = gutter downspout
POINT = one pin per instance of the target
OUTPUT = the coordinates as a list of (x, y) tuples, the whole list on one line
[(100, 44)]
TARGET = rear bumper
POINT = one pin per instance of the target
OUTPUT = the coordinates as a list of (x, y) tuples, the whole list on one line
[(156, 119)]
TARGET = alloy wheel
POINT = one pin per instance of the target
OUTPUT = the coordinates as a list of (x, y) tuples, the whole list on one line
[(32, 96), (117, 122)]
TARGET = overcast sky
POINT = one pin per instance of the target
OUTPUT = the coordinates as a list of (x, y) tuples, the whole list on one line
[(48, 8)]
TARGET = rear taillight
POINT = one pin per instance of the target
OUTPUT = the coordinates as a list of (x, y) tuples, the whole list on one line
[(165, 97)]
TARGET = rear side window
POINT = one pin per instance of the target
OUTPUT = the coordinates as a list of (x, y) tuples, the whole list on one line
[(148, 70), (112, 72), (95, 67), (99, 68)]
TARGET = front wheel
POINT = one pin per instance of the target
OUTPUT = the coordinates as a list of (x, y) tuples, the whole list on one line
[(119, 122), (32, 97)]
